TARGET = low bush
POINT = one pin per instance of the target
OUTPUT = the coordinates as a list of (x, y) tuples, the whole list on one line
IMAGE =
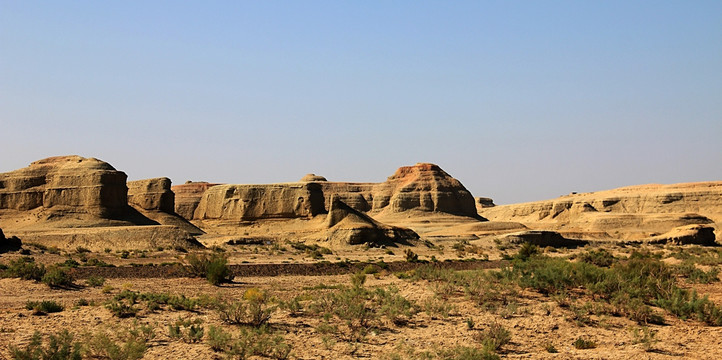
[(58, 347), (57, 277), (24, 268), (582, 343), (494, 338), (214, 267), (95, 281), (43, 307), (190, 331), (252, 310), (600, 257)]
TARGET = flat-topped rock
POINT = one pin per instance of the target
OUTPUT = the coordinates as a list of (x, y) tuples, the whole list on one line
[(152, 194), (188, 196), (65, 184)]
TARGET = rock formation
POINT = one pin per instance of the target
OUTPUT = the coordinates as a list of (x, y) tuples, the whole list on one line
[(312, 177), (188, 196), (542, 239), (154, 199), (484, 202), (252, 202), (684, 235), (65, 184), (348, 226), (631, 213), (67, 200), (422, 187), (152, 194)]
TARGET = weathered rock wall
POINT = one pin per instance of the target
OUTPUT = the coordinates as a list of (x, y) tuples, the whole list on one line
[(188, 196), (66, 184), (644, 209), (152, 194), (252, 202)]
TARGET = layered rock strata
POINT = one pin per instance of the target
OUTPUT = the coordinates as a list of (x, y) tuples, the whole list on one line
[(188, 196), (65, 184), (152, 194), (634, 212)]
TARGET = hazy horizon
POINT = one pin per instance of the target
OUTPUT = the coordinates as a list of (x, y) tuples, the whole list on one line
[(519, 101)]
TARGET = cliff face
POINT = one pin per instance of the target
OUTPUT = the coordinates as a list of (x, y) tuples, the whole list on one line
[(188, 196), (253, 202), (65, 184), (422, 187), (152, 194), (629, 212)]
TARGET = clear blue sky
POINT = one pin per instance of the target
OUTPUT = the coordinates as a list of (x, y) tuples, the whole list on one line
[(520, 100)]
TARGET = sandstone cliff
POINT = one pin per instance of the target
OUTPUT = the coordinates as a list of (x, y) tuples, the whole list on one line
[(65, 184), (634, 212), (188, 196), (253, 202), (154, 199)]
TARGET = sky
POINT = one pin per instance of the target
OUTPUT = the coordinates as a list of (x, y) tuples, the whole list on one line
[(519, 100)]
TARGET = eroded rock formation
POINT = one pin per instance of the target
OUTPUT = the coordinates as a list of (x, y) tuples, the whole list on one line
[(152, 194), (348, 226), (632, 213), (422, 187), (65, 184), (188, 196)]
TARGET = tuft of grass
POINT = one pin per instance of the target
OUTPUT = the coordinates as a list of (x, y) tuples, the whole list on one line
[(494, 338), (214, 267), (582, 343), (59, 347), (43, 307)]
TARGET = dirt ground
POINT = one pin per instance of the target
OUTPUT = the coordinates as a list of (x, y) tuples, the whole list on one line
[(536, 322)]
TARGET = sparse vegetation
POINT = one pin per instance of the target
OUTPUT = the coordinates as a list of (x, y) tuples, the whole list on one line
[(59, 347), (212, 267), (43, 307)]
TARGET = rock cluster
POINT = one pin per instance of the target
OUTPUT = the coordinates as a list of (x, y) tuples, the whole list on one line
[(152, 194), (188, 196), (422, 187)]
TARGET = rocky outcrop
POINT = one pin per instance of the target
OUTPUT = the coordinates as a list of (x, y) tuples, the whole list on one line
[(484, 202), (65, 184), (348, 226), (152, 194), (253, 202), (9, 244), (542, 239), (632, 213), (424, 187), (685, 235), (154, 199), (188, 196), (312, 177)]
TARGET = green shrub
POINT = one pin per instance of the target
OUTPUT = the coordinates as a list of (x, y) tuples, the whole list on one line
[(526, 251), (130, 344), (95, 281), (495, 337), (57, 277), (218, 339), (59, 347), (190, 331), (581, 343), (411, 256), (122, 309), (214, 268), (43, 307), (468, 353), (25, 268), (601, 258), (253, 310), (259, 342)]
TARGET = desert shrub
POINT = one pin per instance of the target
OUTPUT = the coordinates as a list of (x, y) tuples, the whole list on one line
[(95, 281), (436, 308), (601, 258), (59, 347), (468, 353), (582, 343), (252, 310), (43, 307), (129, 344), (25, 268), (259, 342), (70, 263), (122, 308), (97, 262), (214, 267), (494, 338), (82, 302), (218, 339), (190, 331), (645, 336), (293, 306), (57, 277), (686, 304), (411, 256), (526, 251), (694, 275)]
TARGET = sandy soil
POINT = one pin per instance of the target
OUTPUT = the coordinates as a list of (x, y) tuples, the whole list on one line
[(535, 321)]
